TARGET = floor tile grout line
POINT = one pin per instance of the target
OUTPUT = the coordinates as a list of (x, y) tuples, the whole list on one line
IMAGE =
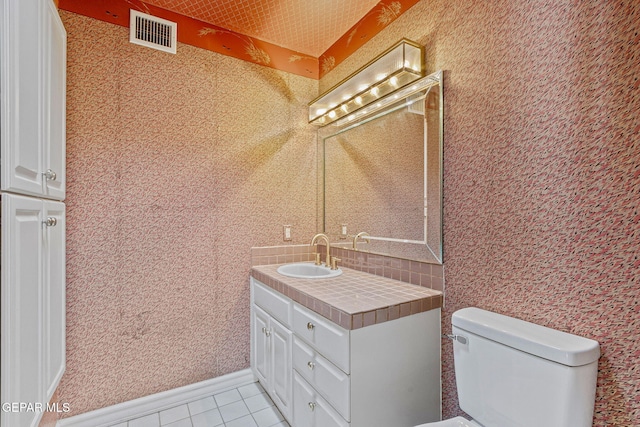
[(260, 391)]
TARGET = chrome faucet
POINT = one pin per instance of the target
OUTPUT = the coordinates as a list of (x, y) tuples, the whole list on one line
[(363, 235), (327, 260)]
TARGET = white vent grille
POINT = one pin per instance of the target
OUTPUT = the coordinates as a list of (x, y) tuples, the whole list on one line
[(153, 32)]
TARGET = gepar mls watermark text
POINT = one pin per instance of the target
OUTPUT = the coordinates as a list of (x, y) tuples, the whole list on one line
[(35, 407)]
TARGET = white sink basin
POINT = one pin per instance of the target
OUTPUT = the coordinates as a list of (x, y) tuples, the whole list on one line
[(307, 270)]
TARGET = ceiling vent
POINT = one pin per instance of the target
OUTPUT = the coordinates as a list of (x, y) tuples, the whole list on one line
[(153, 32)]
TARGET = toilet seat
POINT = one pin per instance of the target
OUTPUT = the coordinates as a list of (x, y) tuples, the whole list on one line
[(452, 422)]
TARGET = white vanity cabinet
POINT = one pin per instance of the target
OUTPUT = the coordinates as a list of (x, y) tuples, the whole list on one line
[(33, 94), (385, 374)]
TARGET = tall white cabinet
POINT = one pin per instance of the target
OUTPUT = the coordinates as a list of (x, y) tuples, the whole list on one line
[(32, 186)]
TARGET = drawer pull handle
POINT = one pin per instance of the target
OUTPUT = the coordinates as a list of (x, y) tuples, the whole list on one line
[(266, 331), (310, 326), (311, 365), (312, 406)]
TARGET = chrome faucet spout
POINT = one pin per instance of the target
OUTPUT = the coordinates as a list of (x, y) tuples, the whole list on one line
[(327, 260), (363, 235)]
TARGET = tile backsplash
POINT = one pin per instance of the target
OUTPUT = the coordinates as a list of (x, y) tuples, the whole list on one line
[(409, 271)]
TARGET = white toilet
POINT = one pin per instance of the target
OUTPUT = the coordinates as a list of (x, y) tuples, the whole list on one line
[(514, 373)]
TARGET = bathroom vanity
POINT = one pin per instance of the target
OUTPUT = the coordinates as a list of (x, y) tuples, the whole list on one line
[(356, 350)]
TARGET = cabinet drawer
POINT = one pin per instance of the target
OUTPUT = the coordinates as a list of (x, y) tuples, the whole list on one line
[(326, 337), (272, 302), (310, 409), (324, 376)]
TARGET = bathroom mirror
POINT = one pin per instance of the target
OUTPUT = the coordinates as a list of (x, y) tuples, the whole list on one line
[(382, 174)]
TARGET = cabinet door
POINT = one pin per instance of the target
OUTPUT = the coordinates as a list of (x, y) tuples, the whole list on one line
[(54, 140), (22, 319), (260, 345), (33, 92), (22, 103), (282, 367), (54, 295)]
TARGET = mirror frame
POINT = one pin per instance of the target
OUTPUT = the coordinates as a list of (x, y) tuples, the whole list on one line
[(430, 249)]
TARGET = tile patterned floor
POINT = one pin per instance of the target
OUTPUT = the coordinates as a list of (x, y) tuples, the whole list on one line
[(246, 406)]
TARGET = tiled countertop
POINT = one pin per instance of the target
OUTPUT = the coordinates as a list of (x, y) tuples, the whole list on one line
[(354, 299)]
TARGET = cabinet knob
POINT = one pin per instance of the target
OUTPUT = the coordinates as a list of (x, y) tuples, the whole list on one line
[(312, 406), (50, 222), (310, 326), (311, 365), (50, 175)]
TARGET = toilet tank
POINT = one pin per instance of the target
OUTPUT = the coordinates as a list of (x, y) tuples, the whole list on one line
[(514, 373)]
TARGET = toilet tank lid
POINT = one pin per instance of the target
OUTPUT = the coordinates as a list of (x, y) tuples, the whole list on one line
[(557, 346)]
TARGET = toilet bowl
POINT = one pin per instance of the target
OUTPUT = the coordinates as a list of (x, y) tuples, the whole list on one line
[(511, 372)]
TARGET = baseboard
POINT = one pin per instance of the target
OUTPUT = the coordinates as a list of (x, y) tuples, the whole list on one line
[(146, 405)]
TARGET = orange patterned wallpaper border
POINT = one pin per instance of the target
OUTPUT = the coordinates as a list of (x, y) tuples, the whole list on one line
[(384, 13), (201, 34)]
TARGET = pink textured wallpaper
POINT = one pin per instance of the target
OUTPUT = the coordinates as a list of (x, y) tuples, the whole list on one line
[(541, 171), (177, 166)]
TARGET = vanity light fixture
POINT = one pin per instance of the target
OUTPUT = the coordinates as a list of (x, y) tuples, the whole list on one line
[(395, 68), (408, 93)]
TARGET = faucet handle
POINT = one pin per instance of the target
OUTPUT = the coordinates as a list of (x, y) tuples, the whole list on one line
[(318, 259), (334, 262)]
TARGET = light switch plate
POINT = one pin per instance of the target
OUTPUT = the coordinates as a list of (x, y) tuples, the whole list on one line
[(343, 231), (286, 233)]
